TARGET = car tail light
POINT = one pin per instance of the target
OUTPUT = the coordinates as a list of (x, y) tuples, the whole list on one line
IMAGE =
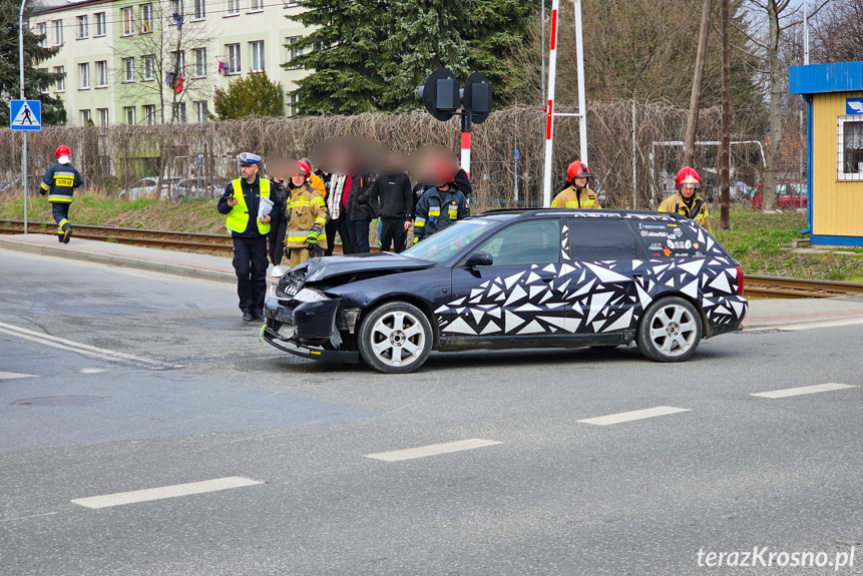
[(739, 281)]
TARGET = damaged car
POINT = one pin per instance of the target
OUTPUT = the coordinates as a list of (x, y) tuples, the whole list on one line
[(515, 279)]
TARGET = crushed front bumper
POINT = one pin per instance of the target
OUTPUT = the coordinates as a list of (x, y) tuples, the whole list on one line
[(306, 329)]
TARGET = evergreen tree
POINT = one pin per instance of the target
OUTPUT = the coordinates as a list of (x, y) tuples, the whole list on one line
[(498, 29), (35, 80), (254, 95), (345, 52)]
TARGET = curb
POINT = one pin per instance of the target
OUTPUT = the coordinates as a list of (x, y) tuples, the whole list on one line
[(176, 269)]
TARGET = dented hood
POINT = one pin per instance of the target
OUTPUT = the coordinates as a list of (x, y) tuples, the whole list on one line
[(384, 262)]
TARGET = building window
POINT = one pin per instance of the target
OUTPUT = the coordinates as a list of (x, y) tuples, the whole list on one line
[(256, 5), (233, 58), (178, 59), (200, 9), (83, 31), (57, 25), (128, 22), (850, 148), (84, 76), (61, 81), (149, 67), (129, 114), (293, 109), (180, 112), (257, 56), (146, 18), (150, 114), (101, 74), (42, 30), (85, 117), (101, 29), (292, 51), (128, 69), (103, 116), (233, 7), (177, 7), (200, 62), (201, 111)]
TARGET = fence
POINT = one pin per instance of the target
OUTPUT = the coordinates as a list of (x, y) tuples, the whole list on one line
[(506, 160)]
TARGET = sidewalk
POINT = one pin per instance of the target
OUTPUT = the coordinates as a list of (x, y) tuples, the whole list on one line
[(764, 315)]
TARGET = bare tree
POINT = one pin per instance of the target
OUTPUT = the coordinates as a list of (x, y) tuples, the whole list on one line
[(154, 66), (837, 32)]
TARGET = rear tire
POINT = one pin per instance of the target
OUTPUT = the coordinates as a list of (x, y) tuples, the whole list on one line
[(670, 330), (395, 338)]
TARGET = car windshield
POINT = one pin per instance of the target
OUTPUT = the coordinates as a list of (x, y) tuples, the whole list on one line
[(442, 246)]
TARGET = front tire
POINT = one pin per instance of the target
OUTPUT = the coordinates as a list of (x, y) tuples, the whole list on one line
[(670, 330), (395, 338)]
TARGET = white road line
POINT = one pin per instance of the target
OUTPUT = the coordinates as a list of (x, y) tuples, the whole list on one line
[(91, 370), (122, 498), (85, 349), (432, 450), (634, 415), (803, 390), (13, 375), (813, 325)]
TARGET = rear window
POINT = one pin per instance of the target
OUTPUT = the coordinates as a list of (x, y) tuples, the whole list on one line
[(668, 240), (593, 239)]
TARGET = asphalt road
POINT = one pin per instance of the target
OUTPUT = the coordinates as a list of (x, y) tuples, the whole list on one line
[(175, 391)]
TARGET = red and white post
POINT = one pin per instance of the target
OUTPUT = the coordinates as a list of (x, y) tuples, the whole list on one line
[(549, 108), (465, 149)]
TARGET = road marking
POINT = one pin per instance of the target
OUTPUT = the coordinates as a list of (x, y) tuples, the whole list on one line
[(803, 390), (77, 347), (839, 323), (123, 498), (13, 375), (432, 450), (91, 370), (634, 415)]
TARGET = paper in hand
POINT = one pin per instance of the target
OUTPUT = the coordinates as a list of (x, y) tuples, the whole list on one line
[(264, 207)]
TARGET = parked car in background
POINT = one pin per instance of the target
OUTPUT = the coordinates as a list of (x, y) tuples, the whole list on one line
[(790, 194), (148, 186), (199, 188), (515, 279)]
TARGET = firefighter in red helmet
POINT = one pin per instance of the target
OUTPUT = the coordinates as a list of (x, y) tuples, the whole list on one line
[(59, 183), (687, 201), (577, 194)]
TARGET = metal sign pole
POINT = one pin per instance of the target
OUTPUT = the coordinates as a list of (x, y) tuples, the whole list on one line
[(549, 110), (582, 106), (21, 69)]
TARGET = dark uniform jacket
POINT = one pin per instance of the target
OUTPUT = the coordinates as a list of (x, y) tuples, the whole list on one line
[(60, 181), (252, 195), (437, 210), (393, 193), (360, 204)]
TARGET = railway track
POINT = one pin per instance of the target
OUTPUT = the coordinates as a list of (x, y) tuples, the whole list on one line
[(754, 286)]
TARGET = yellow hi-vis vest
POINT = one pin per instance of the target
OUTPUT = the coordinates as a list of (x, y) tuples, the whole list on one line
[(238, 217)]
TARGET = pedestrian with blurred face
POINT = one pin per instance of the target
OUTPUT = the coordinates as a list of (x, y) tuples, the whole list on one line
[(279, 222), (687, 201), (392, 191), (249, 225)]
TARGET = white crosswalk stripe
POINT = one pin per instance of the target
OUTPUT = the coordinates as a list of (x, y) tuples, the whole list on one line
[(634, 415), (785, 393), (14, 375)]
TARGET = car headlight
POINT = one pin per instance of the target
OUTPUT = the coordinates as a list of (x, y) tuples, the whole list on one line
[(309, 295)]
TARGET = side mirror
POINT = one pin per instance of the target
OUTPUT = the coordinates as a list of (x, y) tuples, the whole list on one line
[(479, 258)]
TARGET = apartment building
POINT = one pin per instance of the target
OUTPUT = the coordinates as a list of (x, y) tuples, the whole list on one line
[(142, 61)]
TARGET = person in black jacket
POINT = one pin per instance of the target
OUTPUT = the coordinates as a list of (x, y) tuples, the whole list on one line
[(361, 210), (279, 218), (393, 193)]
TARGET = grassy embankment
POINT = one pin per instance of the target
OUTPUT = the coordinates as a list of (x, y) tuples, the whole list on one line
[(762, 243)]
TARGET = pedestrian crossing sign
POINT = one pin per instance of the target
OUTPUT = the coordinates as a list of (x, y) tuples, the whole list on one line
[(26, 114)]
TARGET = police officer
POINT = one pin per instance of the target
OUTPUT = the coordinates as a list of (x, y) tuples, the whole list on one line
[(577, 194), (307, 217), (241, 202), (686, 201), (59, 183), (438, 208)]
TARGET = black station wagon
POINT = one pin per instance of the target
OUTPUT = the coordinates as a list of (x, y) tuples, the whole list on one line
[(515, 279)]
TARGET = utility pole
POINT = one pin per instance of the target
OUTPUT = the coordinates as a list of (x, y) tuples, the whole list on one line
[(695, 99), (725, 147)]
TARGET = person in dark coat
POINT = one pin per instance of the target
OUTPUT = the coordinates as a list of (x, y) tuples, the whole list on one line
[(361, 210), (59, 183), (392, 191)]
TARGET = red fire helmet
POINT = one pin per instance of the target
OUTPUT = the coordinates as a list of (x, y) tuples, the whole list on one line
[(577, 170), (63, 150), (688, 176)]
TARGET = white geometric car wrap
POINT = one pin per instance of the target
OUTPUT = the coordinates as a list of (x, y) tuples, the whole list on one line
[(594, 297)]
